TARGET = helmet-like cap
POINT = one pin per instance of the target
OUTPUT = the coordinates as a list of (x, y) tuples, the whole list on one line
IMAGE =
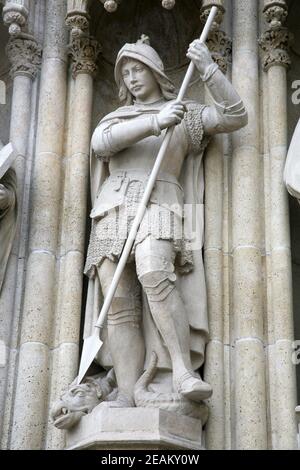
[(143, 52)]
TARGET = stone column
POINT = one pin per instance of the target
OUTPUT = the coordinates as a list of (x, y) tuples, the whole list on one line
[(275, 43), (248, 374), (84, 51), (220, 47), (31, 399), (25, 57)]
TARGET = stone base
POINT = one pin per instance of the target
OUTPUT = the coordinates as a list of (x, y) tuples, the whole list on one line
[(135, 429)]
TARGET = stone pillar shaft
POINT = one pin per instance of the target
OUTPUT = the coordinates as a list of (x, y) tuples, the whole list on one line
[(74, 220), (36, 338), (213, 254), (249, 367), (275, 42), (25, 56)]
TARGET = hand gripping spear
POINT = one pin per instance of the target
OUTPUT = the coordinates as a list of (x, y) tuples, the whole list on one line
[(93, 343)]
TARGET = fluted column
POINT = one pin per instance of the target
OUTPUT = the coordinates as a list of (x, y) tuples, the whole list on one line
[(24, 55), (275, 44), (36, 336), (247, 304), (220, 48), (84, 51)]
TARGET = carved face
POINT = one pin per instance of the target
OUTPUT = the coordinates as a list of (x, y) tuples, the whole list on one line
[(140, 81), (75, 403)]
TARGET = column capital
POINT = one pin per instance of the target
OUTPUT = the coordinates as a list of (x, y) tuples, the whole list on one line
[(220, 47), (205, 10), (276, 44), (84, 51), (24, 54), (276, 40), (78, 18), (15, 14), (218, 42), (275, 12)]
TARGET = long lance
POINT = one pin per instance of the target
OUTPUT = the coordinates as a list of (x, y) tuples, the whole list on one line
[(93, 343)]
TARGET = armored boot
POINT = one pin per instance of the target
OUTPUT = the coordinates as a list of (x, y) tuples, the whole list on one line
[(127, 348), (169, 314)]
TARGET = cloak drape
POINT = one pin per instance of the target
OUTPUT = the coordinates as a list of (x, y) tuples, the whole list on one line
[(191, 285), (8, 219), (292, 166)]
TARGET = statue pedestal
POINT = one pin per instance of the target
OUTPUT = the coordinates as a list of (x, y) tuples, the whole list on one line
[(135, 429)]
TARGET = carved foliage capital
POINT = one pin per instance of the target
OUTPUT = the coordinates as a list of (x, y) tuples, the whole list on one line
[(276, 43), (78, 23), (275, 12), (84, 52), (205, 11), (25, 56), (220, 47)]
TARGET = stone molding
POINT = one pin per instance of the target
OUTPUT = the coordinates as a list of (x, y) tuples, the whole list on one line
[(78, 23), (276, 40), (15, 16), (77, 18), (84, 51), (275, 12), (24, 54), (276, 16)]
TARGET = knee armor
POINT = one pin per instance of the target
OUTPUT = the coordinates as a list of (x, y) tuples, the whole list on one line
[(125, 310), (156, 274)]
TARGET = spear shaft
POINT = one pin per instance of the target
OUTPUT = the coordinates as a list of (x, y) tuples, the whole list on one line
[(92, 344)]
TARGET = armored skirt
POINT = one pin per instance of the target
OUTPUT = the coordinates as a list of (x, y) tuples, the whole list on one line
[(162, 220)]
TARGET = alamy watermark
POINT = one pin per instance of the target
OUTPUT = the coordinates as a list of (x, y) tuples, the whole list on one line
[(2, 92), (296, 93), (296, 352)]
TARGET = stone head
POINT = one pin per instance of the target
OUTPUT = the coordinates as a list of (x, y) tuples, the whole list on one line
[(141, 60)]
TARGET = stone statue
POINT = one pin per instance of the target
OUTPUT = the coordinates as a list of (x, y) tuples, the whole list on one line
[(292, 166), (157, 326), (8, 217)]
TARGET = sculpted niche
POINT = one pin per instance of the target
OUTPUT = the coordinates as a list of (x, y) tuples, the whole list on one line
[(157, 326)]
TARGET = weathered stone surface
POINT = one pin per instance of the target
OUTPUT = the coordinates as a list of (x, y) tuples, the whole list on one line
[(135, 428)]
